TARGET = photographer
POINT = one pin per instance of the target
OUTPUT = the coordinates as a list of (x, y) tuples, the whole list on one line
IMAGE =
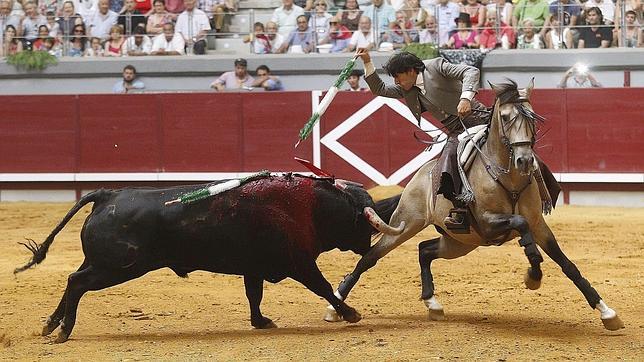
[(580, 76)]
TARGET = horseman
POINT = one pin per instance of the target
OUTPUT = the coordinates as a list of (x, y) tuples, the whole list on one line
[(447, 92)]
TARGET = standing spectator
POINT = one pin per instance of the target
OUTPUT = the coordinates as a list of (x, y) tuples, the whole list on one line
[(570, 11), (266, 80), (416, 13), (595, 35), (137, 45), (30, 24), (363, 38), (130, 17), (447, 14), (286, 17), (261, 44), (339, 36), (102, 21), (536, 10), (354, 81), (78, 42), (237, 79), (503, 8), (607, 8), (476, 11), (193, 25), (95, 49), (350, 15), (168, 43), (429, 34), (633, 32), (11, 45), (129, 81), (381, 13), (488, 37), (116, 41), (158, 18), (401, 32), (69, 19), (529, 39), (319, 21), (86, 9), (300, 40), (6, 18), (464, 37), (580, 76), (275, 39)]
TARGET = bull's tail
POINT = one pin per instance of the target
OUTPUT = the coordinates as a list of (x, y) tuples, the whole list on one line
[(386, 207), (40, 250)]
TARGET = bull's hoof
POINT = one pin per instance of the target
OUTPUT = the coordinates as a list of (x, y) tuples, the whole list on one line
[(613, 324), (48, 328), (436, 314), (531, 283), (266, 323), (62, 337), (352, 316), (331, 315)]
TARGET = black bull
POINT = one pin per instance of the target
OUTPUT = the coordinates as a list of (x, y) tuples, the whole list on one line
[(268, 229)]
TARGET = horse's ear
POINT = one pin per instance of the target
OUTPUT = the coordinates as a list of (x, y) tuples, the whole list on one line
[(529, 88), (494, 87)]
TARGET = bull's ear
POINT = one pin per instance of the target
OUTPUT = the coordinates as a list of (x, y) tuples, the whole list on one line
[(528, 89), (495, 88)]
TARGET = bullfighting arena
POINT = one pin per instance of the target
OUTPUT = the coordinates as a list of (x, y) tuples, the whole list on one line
[(490, 315)]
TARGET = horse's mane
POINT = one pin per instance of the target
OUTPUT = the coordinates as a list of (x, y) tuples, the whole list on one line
[(507, 92)]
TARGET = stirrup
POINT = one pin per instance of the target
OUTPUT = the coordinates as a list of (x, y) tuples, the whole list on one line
[(456, 214)]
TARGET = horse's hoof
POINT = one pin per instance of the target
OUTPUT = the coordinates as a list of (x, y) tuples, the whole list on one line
[(436, 314), (331, 315), (531, 283), (353, 316), (613, 324), (266, 323), (62, 337), (47, 329)]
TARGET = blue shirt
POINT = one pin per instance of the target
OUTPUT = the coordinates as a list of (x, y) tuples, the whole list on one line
[(120, 88), (385, 14)]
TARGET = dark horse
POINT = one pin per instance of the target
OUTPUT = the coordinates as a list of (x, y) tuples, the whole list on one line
[(506, 205)]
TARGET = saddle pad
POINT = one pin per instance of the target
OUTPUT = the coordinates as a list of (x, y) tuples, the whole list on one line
[(470, 137)]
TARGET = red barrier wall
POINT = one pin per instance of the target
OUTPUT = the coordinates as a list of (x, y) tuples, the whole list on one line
[(592, 130)]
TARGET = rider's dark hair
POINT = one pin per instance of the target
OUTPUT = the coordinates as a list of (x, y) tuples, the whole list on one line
[(403, 62)]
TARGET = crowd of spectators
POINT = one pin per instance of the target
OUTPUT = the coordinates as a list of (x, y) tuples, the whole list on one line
[(116, 28)]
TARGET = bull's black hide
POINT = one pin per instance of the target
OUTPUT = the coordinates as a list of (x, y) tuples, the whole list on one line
[(268, 229)]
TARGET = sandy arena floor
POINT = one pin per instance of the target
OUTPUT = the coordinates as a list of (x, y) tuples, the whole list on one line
[(489, 314)]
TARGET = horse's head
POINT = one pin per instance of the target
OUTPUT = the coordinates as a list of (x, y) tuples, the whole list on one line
[(515, 122)]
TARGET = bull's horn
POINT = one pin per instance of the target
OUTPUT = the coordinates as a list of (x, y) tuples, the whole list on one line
[(380, 225)]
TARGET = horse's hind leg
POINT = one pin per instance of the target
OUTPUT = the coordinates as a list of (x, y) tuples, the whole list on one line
[(549, 244), (428, 251), (254, 292), (53, 321)]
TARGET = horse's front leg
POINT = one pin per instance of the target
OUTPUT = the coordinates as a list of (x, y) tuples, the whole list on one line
[(548, 243)]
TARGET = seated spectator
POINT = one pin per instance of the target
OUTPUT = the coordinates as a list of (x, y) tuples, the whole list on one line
[(275, 39), (354, 81), (529, 39), (401, 32), (381, 12), (51, 46), (95, 49), (194, 32), (52, 24), (538, 11), (129, 81), (339, 36), (633, 37), (505, 9), (607, 8), (43, 33), (488, 37), (363, 38), (144, 7), (8, 18), (174, 7), (158, 18), (429, 33), (555, 39), (580, 76), (116, 41), (570, 11), (238, 79), (130, 17), (168, 43), (100, 24), (446, 13), (350, 15), (266, 80), (595, 34), (30, 24), (306, 5), (11, 45), (286, 16), (319, 20), (464, 37), (219, 9), (300, 40), (78, 42), (261, 44), (137, 45), (416, 13), (116, 5), (69, 19), (86, 8), (476, 11)]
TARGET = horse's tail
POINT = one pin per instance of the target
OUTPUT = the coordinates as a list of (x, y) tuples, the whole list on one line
[(386, 207), (40, 250)]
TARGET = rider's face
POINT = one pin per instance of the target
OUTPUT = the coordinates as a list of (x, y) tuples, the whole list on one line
[(407, 79)]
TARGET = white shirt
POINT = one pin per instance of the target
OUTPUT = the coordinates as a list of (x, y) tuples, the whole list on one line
[(606, 6), (129, 44), (446, 20), (360, 40), (85, 8), (176, 44), (286, 20), (320, 24), (191, 30), (277, 42), (99, 24)]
